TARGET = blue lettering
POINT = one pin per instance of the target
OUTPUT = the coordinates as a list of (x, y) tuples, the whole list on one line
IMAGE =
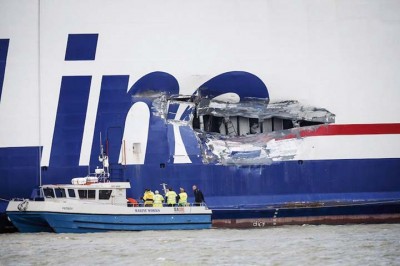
[(3, 59), (70, 121), (81, 47), (114, 105)]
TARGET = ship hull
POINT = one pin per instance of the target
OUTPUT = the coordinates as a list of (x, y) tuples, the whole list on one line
[(85, 223), (310, 192), (289, 181), (340, 213), (258, 103)]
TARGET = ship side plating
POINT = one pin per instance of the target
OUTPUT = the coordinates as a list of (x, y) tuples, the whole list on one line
[(181, 98)]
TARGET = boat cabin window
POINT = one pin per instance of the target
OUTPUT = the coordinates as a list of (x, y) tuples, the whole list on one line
[(91, 194), (82, 194), (60, 192), (71, 193), (104, 194), (87, 194), (48, 193)]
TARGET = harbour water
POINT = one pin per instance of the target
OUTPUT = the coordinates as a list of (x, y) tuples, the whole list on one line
[(286, 245)]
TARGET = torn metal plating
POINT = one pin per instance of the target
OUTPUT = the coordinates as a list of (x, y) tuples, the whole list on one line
[(262, 148), (267, 147), (256, 149), (293, 110), (159, 105), (261, 109), (176, 109), (180, 112), (251, 108)]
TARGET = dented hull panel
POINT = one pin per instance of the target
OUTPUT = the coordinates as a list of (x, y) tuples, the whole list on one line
[(323, 142)]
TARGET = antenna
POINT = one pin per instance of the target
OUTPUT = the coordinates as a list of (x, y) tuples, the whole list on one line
[(101, 148), (164, 185)]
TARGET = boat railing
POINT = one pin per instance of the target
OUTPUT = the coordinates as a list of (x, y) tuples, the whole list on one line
[(142, 204), (1, 199), (23, 199), (17, 199)]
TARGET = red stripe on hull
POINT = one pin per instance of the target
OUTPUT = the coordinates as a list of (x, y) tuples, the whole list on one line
[(350, 129)]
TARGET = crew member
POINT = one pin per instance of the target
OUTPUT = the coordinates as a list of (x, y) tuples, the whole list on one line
[(198, 196), (171, 197), (158, 199), (182, 197), (148, 198)]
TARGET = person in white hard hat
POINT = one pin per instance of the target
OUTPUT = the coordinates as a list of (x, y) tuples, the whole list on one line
[(158, 199)]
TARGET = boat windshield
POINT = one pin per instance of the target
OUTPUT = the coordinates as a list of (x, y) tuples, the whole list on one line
[(71, 193), (87, 194), (104, 194), (60, 193), (48, 193)]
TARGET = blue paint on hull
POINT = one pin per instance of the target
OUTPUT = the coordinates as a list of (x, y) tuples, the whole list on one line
[(339, 209), (19, 168), (88, 223), (339, 213), (325, 180), (29, 222), (230, 187)]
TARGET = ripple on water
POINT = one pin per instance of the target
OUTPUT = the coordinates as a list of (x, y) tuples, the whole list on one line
[(287, 245)]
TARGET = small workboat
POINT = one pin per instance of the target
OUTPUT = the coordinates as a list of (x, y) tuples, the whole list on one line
[(93, 204)]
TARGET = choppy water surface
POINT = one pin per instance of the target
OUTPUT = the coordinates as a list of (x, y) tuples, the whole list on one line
[(288, 245)]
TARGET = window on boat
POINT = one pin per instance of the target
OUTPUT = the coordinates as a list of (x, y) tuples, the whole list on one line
[(91, 194), (82, 194), (87, 194), (60, 192), (71, 193), (48, 193), (105, 194)]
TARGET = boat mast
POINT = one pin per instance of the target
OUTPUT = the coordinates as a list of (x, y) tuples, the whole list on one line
[(103, 158)]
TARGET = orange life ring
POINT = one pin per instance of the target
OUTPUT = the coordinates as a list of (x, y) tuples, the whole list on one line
[(133, 201)]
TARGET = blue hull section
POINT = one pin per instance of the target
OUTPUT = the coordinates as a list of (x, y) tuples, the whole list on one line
[(366, 212), (81, 223), (224, 186), (29, 222), (232, 187), (368, 208), (19, 168)]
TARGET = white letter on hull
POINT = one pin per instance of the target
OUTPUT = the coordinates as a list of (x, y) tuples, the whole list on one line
[(134, 141)]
